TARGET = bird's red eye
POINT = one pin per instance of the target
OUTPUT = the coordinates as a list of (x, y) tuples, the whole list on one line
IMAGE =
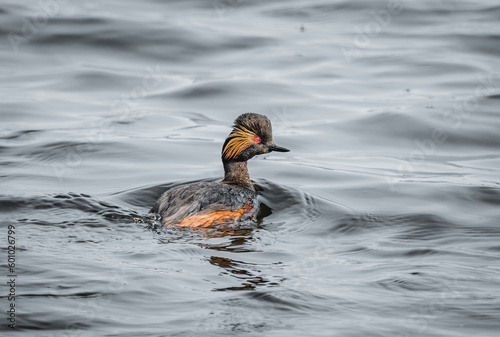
[(256, 139)]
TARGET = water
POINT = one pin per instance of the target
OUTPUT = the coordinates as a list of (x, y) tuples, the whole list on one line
[(382, 220)]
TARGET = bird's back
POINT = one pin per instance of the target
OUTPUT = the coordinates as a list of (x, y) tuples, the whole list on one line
[(205, 204)]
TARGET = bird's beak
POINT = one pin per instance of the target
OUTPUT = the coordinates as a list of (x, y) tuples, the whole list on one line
[(277, 148)]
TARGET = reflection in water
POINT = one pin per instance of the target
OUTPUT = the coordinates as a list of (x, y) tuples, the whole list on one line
[(236, 240), (237, 270)]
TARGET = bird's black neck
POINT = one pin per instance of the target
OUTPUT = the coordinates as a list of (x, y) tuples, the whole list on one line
[(236, 173)]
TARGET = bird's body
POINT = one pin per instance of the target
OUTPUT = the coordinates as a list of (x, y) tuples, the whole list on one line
[(222, 204), (206, 204)]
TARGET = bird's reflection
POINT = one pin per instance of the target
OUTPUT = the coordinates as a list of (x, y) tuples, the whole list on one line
[(237, 270)]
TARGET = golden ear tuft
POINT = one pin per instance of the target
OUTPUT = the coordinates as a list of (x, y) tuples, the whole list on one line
[(240, 139)]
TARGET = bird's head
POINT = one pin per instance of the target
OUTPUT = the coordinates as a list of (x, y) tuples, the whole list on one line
[(252, 135)]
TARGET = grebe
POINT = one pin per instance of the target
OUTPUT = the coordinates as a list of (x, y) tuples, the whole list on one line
[(216, 204)]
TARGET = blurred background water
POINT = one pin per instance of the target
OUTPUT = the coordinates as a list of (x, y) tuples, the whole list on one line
[(383, 220)]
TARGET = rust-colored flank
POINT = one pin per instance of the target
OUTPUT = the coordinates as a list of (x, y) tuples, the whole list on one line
[(215, 219)]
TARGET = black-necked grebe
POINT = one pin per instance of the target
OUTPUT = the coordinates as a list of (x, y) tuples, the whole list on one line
[(214, 204)]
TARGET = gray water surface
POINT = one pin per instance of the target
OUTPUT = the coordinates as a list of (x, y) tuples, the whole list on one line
[(383, 220)]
